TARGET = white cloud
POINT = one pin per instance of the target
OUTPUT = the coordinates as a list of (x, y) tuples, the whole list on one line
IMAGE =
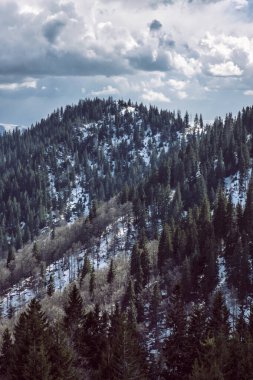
[(153, 96), (177, 84), (248, 93), (29, 9), (108, 90), (17, 86), (226, 69), (182, 95), (194, 46), (188, 66), (239, 4)]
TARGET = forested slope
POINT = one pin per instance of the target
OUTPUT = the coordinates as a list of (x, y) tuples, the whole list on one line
[(175, 301)]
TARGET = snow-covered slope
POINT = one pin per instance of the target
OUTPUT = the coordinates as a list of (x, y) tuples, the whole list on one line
[(113, 242)]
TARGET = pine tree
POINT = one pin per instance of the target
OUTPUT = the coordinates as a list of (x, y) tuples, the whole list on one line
[(11, 256), (61, 356), (129, 295), (36, 252), (219, 320), (92, 340), (209, 364), (154, 306), (50, 287), (6, 355), (165, 248), (197, 331), (145, 266), (37, 363), (128, 361), (186, 281), (220, 216), (92, 284), (73, 309), (11, 310), (111, 273), (85, 269), (176, 351), (135, 260), (31, 345)]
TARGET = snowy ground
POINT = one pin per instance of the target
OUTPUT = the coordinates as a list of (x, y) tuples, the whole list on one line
[(238, 190), (64, 271)]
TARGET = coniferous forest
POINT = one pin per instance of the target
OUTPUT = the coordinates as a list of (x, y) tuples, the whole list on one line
[(175, 301)]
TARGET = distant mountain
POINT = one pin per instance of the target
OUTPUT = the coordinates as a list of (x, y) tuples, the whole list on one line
[(10, 128)]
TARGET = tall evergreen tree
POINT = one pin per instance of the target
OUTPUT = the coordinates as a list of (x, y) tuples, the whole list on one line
[(6, 355), (111, 273), (165, 248), (73, 309), (176, 351)]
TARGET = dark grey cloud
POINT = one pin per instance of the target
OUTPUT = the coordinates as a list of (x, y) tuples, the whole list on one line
[(52, 29), (155, 25), (61, 63), (145, 61)]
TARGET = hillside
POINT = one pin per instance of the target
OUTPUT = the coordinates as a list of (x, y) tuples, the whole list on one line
[(133, 227)]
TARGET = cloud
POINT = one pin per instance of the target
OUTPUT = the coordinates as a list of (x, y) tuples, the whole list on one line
[(149, 60), (177, 84), (17, 86), (153, 96), (248, 93), (108, 90), (52, 29), (187, 66), (145, 50), (239, 4), (155, 25), (182, 95), (227, 69)]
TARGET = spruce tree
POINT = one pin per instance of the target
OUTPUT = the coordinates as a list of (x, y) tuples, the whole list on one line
[(111, 273), (145, 266), (11, 256), (85, 269), (36, 252), (165, 248), (92, 284), (129, 295), (31, 345), (219, 319), (6, 355), (61, 355), (128, 360), (176, 350), (50, 287), (73, 309)]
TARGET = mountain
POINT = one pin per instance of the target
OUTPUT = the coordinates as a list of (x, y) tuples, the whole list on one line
[(133, 228)]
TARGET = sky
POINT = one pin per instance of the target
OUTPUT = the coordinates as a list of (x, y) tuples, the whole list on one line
[(194, 55)]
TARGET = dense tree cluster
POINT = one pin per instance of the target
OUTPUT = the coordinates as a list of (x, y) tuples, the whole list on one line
[(172, 320), (39, 166)]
